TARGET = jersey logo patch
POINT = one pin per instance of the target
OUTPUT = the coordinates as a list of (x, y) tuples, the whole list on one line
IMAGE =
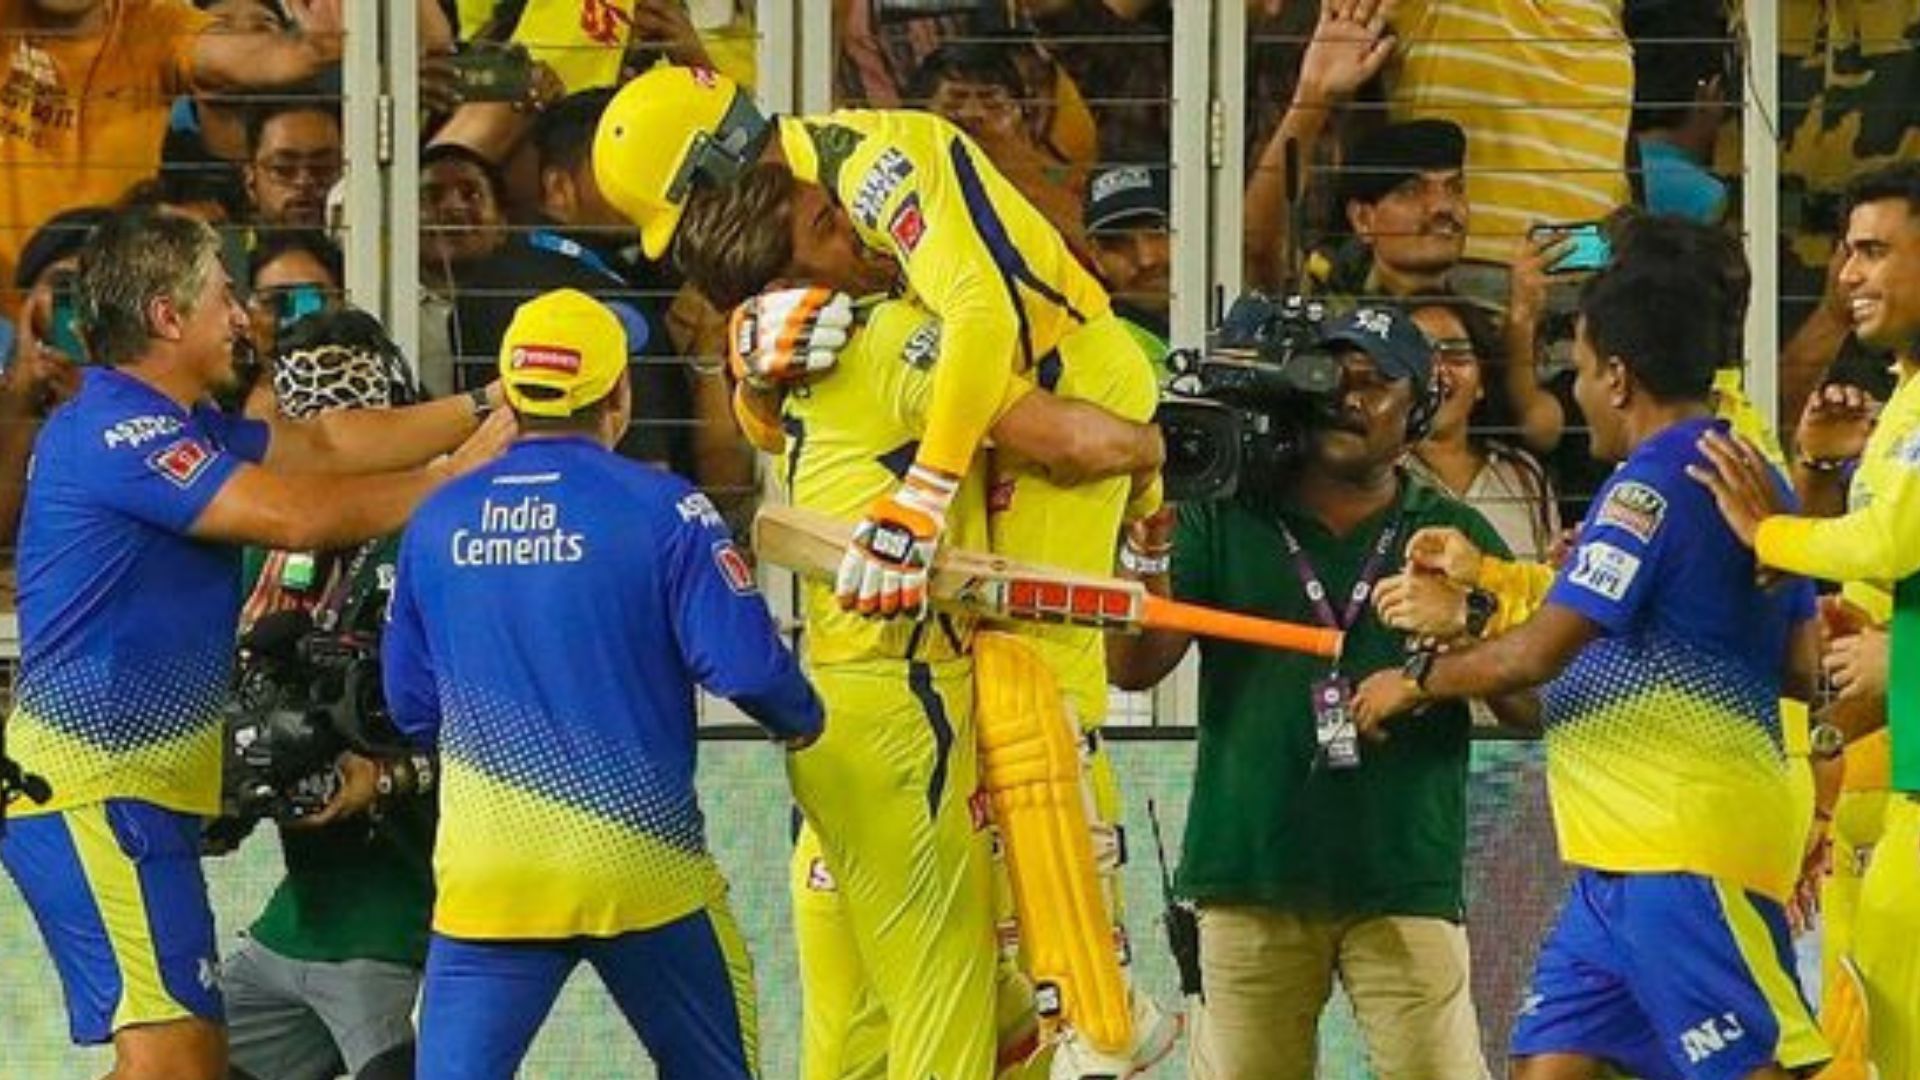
[(819, 878), (1634, 507), (1909, 452), (1604, 569), (697, 507), (909, 225), (733, 567), (876, 188), (182, 461), (923, 348), (141, 429)]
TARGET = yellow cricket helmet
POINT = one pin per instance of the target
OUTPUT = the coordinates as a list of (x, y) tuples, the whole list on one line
[(664, 133)]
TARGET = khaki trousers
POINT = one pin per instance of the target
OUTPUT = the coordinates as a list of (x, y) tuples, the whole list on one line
[(1268, 975)]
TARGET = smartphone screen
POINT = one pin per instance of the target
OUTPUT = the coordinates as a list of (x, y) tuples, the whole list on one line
[(63, 333), (493, 73), (1588, 251), (296, 302)]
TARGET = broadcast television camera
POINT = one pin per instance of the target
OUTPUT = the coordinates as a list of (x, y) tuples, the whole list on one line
[(301, 697), (1237, 413)]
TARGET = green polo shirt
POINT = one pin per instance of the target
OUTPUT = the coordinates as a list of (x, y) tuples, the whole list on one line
[(1265, 824), (357, 889)]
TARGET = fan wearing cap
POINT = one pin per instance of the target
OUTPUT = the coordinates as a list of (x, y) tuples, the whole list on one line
[(1126, 219), (554, 614), (674, 152), (1312, 854)]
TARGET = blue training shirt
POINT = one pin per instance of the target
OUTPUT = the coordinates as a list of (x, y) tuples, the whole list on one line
[(126, 622), (1664, 748), (553, 614)]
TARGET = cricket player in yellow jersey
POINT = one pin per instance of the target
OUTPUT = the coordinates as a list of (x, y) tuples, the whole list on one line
[(1011, 299), (900, 993), (895, 863), (1880, 542)]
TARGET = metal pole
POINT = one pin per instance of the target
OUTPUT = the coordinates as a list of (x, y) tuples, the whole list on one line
[(1192, 129), (1230, 164), (1760, 206), (775, 72), (816, 56), (402, 175), (1197, 84), (360, 112)]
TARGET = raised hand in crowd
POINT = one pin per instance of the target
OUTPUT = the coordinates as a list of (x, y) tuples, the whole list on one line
[(1350, 45), (663, 27), (1540, 417)]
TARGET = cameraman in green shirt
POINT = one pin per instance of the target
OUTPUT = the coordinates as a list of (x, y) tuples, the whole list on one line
[(324, 981), (1308, 853)]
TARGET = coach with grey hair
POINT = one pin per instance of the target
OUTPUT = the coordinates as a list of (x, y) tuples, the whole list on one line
[(139, 497)]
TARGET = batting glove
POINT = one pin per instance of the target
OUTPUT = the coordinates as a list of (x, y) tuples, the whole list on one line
[(884, 571), (787, 335)]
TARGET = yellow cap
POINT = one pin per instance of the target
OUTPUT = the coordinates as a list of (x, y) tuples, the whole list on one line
[(648, 138), (563, 351)]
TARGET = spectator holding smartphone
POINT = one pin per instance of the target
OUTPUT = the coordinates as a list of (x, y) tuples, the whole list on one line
[(44, 369), (106, 75)]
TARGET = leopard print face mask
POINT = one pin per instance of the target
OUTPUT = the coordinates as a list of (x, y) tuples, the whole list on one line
[(315, 380)]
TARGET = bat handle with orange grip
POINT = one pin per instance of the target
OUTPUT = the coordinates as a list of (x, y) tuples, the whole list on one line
[(1160, 613)]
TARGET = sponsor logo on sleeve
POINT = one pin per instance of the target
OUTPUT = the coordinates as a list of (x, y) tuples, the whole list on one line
[(181, 461), (1635, 508), (1909, 451), (696, 507), (909, 225), (878, 186), (1604, 570), (819, 878), (923, 347), (733, 567), (139, 430)]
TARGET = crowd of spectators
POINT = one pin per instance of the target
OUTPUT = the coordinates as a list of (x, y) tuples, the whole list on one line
[(1401, 152)]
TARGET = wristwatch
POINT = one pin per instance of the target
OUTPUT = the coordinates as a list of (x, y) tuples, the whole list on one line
[(1416, 669), (1826, 741), (481, 404), (1481, 608)]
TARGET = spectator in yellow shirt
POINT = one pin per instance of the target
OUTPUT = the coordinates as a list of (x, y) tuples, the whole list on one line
[(90, 83)]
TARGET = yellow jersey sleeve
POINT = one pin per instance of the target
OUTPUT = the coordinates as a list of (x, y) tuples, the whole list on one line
[(1879, 540), (974, 252)]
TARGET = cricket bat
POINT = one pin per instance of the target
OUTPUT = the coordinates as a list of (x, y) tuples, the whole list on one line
[(811, 543)]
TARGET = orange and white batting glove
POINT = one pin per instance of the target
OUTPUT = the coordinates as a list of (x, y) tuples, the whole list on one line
[(786, 336), (884, 571)]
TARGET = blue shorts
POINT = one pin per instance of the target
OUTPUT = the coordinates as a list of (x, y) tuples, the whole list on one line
[(117, 892), (1669, 977), (686, 987)]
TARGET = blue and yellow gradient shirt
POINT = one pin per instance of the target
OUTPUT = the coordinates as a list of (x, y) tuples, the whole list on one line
[(553, 614), (1664, 744), (126, 622)]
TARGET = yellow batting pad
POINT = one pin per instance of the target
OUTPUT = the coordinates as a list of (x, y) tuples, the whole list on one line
[(1030, 760)]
